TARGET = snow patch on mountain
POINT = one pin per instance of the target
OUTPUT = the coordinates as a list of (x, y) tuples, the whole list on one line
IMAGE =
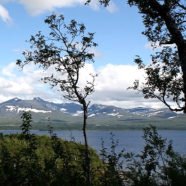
[(78, 113), (63, 109), (119, 115), (155, 113), (113, 114), (91, 115), (172, 117), (19, 109), (16, 99)]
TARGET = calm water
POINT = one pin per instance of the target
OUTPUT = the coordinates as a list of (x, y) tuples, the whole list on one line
[(131, 140)]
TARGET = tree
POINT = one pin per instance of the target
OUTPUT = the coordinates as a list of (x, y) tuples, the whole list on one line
[(165, 28), (65, 51), (26, 124)]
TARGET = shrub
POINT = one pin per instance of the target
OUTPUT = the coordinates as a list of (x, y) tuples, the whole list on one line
[(27, 159)]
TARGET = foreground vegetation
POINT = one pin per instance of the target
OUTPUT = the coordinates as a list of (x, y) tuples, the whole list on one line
[(29, 160), (43, 161)]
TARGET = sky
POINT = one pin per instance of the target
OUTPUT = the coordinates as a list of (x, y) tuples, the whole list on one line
[(117, 31)]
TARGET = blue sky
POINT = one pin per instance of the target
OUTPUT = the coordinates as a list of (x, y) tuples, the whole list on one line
[(118, 34)]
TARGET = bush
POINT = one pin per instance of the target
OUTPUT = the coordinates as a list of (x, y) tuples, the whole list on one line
[(157, 164), (26, 159), (30, 160), (52, 162)]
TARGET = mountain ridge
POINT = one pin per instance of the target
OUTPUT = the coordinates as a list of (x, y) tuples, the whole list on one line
[(72, 108), (70, 114)]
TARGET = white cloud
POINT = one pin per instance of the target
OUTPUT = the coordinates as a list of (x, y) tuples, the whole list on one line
[(94, 4), (117, 77), (112, 7), (8, 71), (14, 83), (4, 14), (110, 86), (36, 7)]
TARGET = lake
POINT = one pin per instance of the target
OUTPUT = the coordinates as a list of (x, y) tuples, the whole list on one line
[(131, 140)]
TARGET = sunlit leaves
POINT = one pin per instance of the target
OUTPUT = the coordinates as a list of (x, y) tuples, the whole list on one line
[(66, 49), (165, 24)]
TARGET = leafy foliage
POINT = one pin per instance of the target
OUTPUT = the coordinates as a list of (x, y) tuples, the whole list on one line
[(52, 161), (157, 164), (165, 28), (113, 163), (65, 51)]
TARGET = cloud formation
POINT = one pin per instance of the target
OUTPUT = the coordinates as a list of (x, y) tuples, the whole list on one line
[(36, 7), (4, 14), (110, 86)]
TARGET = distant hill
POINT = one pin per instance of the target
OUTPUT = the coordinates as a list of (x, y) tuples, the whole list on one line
[(68, 115)]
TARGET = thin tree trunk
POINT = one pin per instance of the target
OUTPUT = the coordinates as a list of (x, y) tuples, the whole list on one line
[(87, 155)]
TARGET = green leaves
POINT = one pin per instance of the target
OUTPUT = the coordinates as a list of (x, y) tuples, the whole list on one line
[(27, 159), (66, 49), (165, 76), (26, 124)]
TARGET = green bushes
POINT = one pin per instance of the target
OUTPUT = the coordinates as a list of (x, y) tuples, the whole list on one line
[(30, 160), (27, 159), (156, 165), (52, 161)]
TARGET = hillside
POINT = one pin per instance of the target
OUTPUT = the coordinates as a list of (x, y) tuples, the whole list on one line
[(68, 116)]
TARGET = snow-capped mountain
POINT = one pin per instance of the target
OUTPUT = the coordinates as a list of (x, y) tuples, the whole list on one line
[(62, 114), (150, 112), (38, 105)]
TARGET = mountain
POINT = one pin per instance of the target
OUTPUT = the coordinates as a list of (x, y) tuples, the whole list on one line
[(38, 105), (150, 112), (61, 115)]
